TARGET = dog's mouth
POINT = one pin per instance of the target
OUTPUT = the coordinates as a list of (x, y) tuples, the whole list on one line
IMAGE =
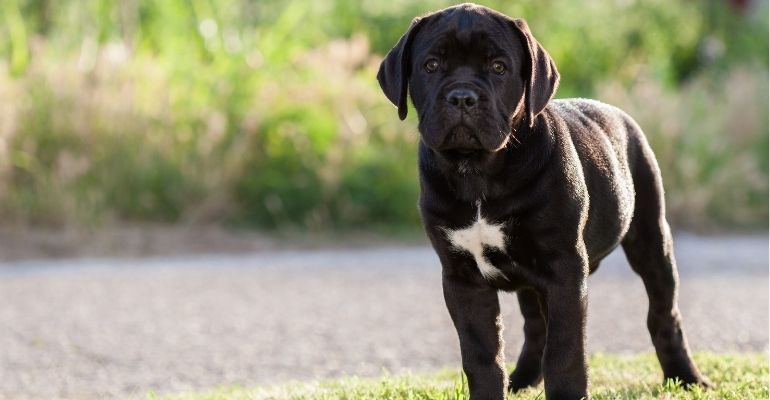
[(460, 154), (463, 140)]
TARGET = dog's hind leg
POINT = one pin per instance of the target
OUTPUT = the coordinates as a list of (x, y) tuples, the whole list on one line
[(529, 367), (649, 249)]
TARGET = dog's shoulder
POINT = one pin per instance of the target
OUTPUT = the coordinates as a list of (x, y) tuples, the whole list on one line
[(588, 120), (581, 109)]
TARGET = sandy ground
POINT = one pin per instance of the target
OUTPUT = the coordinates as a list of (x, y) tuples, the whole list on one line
[(148, 240), (112, 328)]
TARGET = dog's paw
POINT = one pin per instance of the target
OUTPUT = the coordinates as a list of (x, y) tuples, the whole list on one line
[(520, 380), (691, 380), (703, 382)]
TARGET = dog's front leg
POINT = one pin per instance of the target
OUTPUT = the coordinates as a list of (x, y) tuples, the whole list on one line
[(565, 370), (475, 311)]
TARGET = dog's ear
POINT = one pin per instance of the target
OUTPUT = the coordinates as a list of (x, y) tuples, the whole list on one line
[(396, 68), (540, 74)]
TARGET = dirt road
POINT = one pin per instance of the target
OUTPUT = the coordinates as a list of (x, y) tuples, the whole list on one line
[(115, 328)]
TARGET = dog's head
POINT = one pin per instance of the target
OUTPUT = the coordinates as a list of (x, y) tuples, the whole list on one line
[(472, 72)]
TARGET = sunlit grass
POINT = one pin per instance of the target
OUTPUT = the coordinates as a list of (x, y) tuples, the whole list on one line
[(736, 377)]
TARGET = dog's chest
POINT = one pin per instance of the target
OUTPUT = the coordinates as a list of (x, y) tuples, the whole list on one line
[(479, 237)]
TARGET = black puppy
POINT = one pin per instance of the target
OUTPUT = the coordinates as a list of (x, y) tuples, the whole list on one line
[(521, 193)]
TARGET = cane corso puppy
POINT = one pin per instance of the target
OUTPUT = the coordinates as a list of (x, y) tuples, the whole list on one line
[(523, 193)]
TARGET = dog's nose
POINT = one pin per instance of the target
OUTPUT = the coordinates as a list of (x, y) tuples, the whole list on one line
[(463, 98)]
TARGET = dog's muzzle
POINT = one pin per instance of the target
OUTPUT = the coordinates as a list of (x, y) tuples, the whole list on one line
[(462, 138), (463, 99)]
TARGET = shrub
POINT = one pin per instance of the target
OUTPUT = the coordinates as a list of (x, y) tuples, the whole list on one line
[(268, 114)]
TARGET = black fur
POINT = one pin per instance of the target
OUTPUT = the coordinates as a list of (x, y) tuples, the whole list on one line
[(569, 180)]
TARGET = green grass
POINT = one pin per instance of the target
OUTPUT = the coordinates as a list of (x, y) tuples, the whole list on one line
[(743, 376)]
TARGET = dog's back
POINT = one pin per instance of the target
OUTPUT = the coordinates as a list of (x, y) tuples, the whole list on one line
[(612, 150)]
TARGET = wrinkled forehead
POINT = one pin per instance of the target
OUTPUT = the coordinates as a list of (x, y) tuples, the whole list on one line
[(467, 29)]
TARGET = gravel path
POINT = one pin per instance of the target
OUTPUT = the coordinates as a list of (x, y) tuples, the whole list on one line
[(107, 328)]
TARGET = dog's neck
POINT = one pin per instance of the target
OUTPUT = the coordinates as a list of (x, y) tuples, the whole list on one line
[(500, 174)]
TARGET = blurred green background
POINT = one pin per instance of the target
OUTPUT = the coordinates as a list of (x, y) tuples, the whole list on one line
[(266, 114)]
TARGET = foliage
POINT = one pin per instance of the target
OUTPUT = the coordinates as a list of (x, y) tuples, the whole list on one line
[(713, 157), (613, 377), (267, 113)]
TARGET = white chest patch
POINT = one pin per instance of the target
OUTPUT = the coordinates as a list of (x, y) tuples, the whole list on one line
[(473, 239)]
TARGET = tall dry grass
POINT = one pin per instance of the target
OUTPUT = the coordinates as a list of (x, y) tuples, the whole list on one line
[(267, 114), (710, 138), (115, 138)]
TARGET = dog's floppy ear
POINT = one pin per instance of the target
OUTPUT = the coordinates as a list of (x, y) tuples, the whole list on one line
[(396, 68), (539, 72)]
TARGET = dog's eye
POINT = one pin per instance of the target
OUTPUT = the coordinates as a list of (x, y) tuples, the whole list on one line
[(498, 67), (431, 65)]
